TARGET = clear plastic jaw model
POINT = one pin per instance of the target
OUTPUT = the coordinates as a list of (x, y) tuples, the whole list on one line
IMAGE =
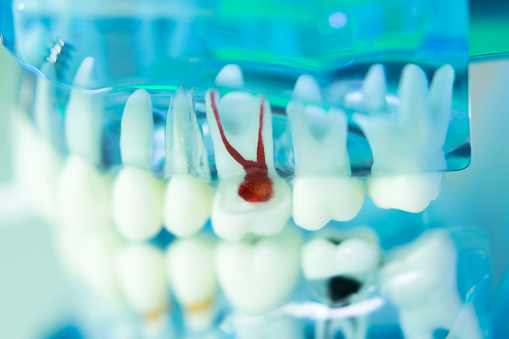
[(225, 171)]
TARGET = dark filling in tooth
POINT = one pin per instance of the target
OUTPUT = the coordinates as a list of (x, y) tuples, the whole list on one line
[(339, 288), (335, 241), (257, 186)]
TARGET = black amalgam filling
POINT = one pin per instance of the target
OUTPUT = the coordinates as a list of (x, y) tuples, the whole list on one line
[(339, 288)]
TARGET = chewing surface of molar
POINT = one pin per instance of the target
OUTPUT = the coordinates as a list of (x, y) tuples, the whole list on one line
[(322, 188), (250, 197), (190, 267), (37, 166), (259, 276), (142, 278), (83, 196), (137, 195), (421, 280), (410, 141), (188, 197), (83, 121)]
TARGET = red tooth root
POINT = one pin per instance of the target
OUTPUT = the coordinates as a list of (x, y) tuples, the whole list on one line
[(256, 186)]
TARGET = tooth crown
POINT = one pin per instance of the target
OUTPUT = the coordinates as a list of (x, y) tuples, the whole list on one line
[(411, 140)]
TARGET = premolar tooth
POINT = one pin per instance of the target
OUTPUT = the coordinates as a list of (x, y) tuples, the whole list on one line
[(258, 277), (84, 114), (421, 280), (190, 265), (188, 197), (142, 279), (410, 142), (230, 76), (322, 188), (250, 195), (137, 194), (83, 196)]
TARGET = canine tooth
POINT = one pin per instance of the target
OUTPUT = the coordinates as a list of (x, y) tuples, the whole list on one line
[(187, 205), (306, 88), (83, 115), (230, 76), (322, 188), (421, 280), (373, 91), (137, 129), (422, 123), (250, 195), (83, 196), (190, 266), (258, 277), (137, 204), (140, 271)]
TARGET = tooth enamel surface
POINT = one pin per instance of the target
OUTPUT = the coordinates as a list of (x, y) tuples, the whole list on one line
[(323, 189), (190, 266), (83, 196), (187, 205), (141, 275), (230, 76), (137, 204), (306, 88), (137, 130), (84, 115), (373, 92), (356, 253), (421, 281), (250, 196), (258, 277), (411, 193), (410, 141)]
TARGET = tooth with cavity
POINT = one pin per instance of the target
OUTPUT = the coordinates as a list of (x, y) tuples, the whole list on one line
[(142, 278), (322, 188), (250, 198), (188, 197), (137, 194), (421, 280), (410, 141), (258, 276), (190, 267)]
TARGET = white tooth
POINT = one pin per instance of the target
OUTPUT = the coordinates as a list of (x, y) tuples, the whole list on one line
[(83, 196), (356, 253), (187, 205), (421, 281), (142, 279), (230, 76), (84, 114), (37, 167), (409, 192), (258, 277), (422, 124), (372, 96), (306, 88), (257, 203), (137, 203), (323, 189), (190, 265), (137, 130), (276, 328), (44, 103)]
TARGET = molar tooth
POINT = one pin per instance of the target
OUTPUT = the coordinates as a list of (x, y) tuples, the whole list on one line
[(323, 189), (373, 91), (188, 197), (230, 76), (250, 195), (83, 115), (406, 145), (137, 194), (258, 277), (421, 280), (143, 284), (190, 266)]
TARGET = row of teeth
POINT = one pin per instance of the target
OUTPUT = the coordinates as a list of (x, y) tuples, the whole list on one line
[(259, 276), (250, 196)]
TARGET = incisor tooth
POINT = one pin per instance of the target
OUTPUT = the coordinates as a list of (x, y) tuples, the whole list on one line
[(258, 277)]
